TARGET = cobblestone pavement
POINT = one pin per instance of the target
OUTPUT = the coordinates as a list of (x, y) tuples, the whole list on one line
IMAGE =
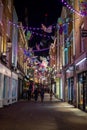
[(49, 115)]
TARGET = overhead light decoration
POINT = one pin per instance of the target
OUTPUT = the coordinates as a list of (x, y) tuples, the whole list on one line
[(72, 9), (83, 7)]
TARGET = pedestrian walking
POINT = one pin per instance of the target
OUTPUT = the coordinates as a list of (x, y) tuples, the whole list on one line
[(36, 94), (42, 94), (30, 91), (51, 94)]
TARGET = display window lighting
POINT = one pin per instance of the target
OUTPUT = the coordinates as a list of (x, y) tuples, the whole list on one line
[(81, 61)]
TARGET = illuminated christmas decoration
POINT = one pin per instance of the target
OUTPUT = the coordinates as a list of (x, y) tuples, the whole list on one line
[(72, 9), (46, 29), (28, 35), (60, 21), (83, 7)]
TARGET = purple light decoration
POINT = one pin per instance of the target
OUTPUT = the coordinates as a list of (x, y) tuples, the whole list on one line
[(9, 22), (41, 50), (62, 1), (17, 26), (28, 29), (48, 36), (34, 28), (40, 34), (37, 28), (71, 8)]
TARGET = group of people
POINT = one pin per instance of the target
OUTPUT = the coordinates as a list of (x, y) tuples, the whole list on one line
[(37, 92)]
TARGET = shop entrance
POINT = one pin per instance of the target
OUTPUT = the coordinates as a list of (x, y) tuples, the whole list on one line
[(70, 90), (85, 96), (82, 91)]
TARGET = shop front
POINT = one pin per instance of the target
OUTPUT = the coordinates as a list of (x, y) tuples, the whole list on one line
[(70, 84), (70, 90), (20, 85), (5, 85), (14, 82), (59, 86), (81, 75), (7, 90), (82, 91), (1, 89)]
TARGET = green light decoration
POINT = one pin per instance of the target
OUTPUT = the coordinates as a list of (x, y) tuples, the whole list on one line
[(28, 36), (60, 21)]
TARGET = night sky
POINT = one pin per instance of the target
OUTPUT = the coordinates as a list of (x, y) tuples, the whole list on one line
[(36, 12)]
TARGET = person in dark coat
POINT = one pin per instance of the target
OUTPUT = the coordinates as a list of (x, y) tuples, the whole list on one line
[(42, 94), (30, 91), (36, 94), (51, 94)]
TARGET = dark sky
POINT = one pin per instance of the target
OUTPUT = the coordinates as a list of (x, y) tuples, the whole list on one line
[(38, 12)]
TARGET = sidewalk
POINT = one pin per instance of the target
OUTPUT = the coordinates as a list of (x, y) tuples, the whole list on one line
[(70, 107)]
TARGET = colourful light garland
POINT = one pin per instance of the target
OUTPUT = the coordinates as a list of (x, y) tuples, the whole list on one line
[(31, 29), (45, 49), (71, 8)]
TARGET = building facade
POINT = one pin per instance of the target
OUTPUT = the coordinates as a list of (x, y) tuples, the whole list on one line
[(72, 55), (9, 56)]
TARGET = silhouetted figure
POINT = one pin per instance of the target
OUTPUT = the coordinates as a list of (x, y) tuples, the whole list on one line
[(30, 91), (42, 94), (36, 94), (51, 94)]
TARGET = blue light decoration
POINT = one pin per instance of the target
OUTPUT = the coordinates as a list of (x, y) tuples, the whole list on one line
[(65, 49), (45, 49), (65, 28), (62, 25)]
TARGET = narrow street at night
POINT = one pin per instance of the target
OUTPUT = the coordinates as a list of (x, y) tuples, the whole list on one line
[(43, 64), (49, 115)]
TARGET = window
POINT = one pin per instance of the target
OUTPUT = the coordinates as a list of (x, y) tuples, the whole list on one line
[(1, 11), (8, 28), (82, 48)]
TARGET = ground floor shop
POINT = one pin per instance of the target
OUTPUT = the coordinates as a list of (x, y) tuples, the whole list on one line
[(70, 89), (20, 84), (81, 81), (8, 86), (59, 88), (82, 90)]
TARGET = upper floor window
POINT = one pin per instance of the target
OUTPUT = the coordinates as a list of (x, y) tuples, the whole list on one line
[(1, 11), (82, 47)]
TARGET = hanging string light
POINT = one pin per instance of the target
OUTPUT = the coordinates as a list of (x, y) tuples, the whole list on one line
[(72, 9)]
